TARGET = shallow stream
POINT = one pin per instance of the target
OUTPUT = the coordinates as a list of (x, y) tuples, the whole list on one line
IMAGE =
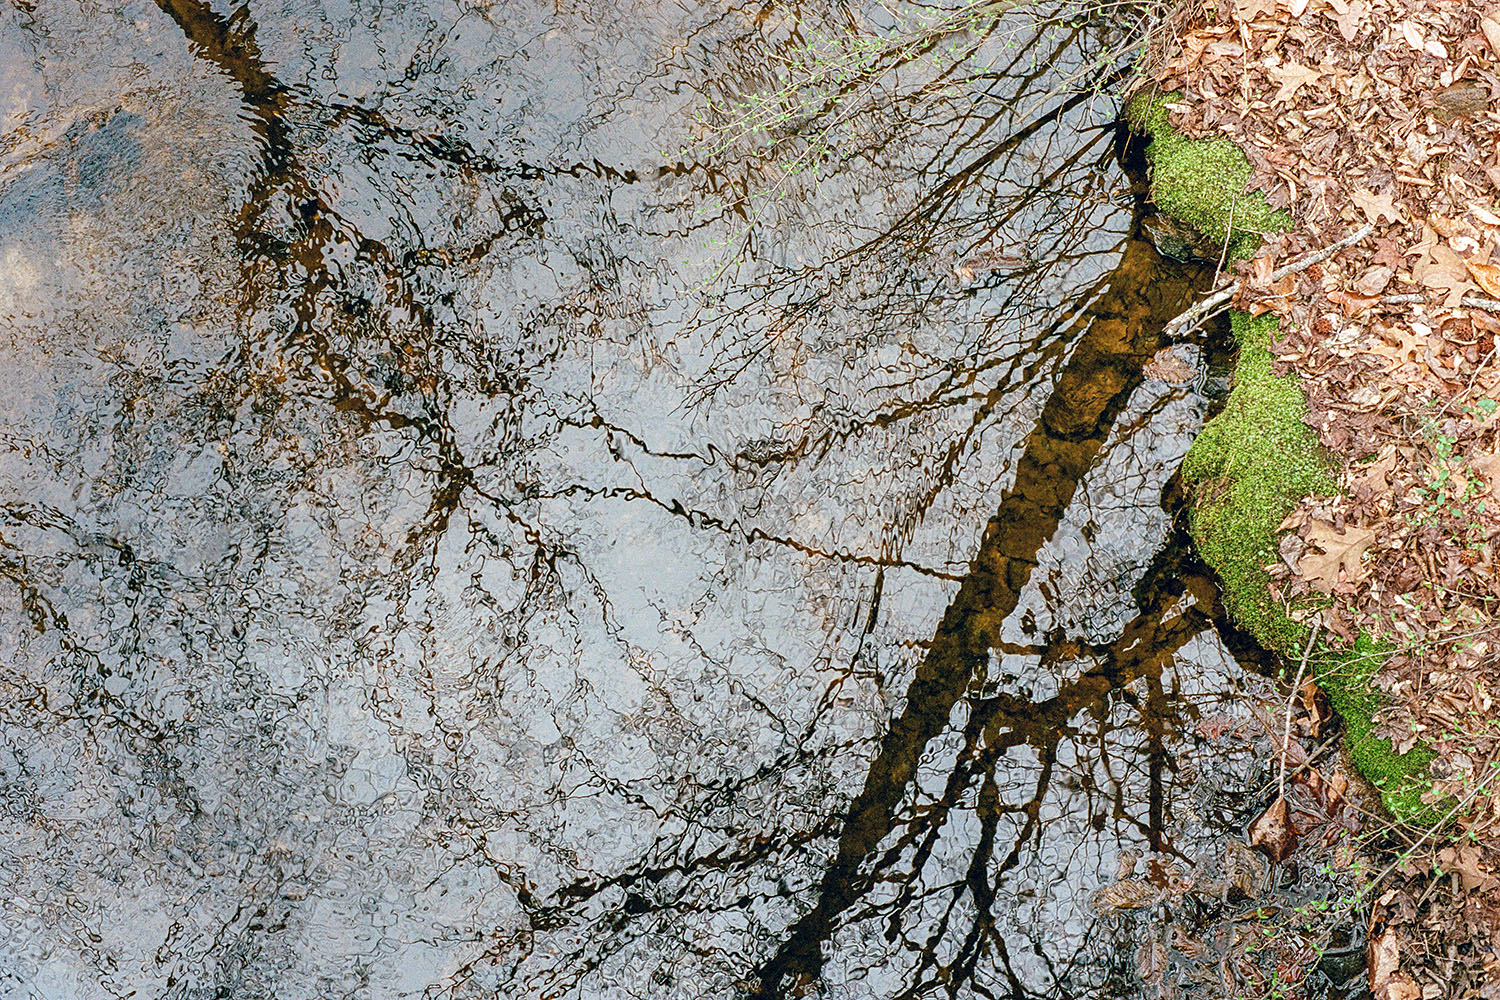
[(490, 507)]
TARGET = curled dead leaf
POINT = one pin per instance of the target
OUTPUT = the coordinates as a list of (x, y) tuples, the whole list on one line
[(1383, 958), (1352, 303), (1374, 281), (1488, 276), (1129, 894), (1490, 25), (1487, 464), (1273, 832)]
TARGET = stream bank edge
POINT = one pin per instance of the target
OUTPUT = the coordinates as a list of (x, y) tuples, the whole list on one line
[(1255, 461)]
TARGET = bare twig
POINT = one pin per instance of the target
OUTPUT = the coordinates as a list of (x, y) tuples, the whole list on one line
[(1291, 701), (1468, 301), (1210, 305)]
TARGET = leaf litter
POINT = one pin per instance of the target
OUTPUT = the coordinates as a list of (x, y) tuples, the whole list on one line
[(1387, 112)]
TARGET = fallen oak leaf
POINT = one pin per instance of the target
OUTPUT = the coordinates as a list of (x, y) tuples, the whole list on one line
[(1341, 553), (1248, 10), (1369, 478), (1352, 303), (1348, 19), (1466, 860), (1445, 271), (1292, 78), (1374, 281), (1375, 206)]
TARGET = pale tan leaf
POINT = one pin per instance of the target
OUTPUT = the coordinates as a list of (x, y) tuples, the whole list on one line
[(1374, 280), (1487, 464), (1491, 28), (1292, 78), (1384, 959), (1412, 34), (1445, 270), (1376, 206), (1349, 19), (1340, 554)]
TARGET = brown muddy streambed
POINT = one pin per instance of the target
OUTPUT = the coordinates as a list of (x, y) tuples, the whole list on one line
[(477, 520)]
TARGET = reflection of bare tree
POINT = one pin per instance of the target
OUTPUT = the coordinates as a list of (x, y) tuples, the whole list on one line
[(359, 335), (888, 832), (1125, 324), (365, 316)]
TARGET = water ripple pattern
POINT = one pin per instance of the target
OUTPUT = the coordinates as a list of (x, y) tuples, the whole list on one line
[(482, 516)]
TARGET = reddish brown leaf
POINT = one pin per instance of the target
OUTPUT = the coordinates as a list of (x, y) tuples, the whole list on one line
[(1273, 832)]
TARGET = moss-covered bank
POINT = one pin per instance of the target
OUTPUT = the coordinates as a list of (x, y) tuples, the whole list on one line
[(1247, 470), (1256, 460)]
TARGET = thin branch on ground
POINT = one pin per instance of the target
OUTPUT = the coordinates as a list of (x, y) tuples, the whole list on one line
[(1291, 701), (1212, 304)]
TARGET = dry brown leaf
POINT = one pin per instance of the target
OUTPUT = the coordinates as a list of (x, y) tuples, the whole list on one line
[(1466, 859), (1352, 303), (1490, 25), (1339, 553), (1487, 464), (1129, 894), (1488, 276), (1249, 10), (1292, 78), (1446, 271), (1412, 34), (1409, 344), (1348, 19), (1166, 366), (1375, 206), (1374, 281), (1387, 982), (1273, 832), (1371, 476)]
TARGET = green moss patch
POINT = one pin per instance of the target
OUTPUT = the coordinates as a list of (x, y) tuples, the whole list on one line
[(1203, 182), (1249, 467)]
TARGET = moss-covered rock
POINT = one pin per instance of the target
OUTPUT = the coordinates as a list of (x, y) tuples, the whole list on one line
[(1255, 461), (1247, 470), (1202, 182)]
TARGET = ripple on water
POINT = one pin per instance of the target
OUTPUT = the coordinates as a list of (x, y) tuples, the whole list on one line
[(467, 533)]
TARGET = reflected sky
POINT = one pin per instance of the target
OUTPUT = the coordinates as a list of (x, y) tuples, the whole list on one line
[(476, 521)]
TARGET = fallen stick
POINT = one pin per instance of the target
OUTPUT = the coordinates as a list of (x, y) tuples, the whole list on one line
[(1291, 701), (1185, 323)]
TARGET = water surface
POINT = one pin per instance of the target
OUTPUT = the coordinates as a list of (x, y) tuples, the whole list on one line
[(477, 521)]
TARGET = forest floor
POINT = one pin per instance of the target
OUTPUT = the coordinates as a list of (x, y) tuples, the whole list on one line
[(1384, 113)]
